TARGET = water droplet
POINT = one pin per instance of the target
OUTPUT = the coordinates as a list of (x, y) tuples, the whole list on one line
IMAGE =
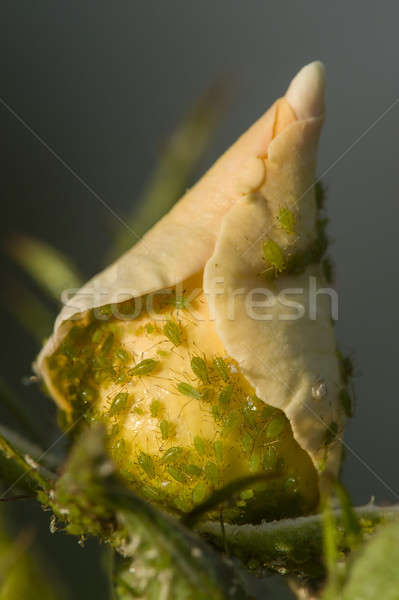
[(319, 390)]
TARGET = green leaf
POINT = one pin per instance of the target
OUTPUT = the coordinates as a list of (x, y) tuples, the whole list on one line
[(48, 267), (350, 520), (23, 575), (26, 307), (374, 573), (330, 545)]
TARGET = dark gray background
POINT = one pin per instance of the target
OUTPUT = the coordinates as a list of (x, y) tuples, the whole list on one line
[(105, 82)]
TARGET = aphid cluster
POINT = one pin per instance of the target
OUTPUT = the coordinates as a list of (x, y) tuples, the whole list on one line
[(103, 379)]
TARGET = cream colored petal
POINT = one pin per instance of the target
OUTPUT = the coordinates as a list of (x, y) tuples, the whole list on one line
[(179, 244), (306, 91), (282, 359)]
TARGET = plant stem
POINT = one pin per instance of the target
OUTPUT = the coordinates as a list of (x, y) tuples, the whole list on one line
[(291, 545)]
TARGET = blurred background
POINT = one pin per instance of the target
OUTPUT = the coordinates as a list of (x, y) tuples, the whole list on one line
[(122, 94)]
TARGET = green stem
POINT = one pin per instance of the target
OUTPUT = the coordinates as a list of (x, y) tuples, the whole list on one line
[(19, 472), (291, 545)]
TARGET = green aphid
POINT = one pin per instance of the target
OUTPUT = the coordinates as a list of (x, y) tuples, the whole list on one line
[(165, 428), (267, 411), (172, 454), (255, 462), (231, 421), (270, 459), (97, 336), (249, 412), (211, 472), (149, 328), (68, 350), (274, 257), (156, 408), (218, 450), (182, 503), (172, 332), (107, 345), (247, 494), (145, 462), (115, 429), (150, 493), (189, 390), (221, 368), (291, 485), (163, 353), (122, 377), (144, 367), (215, 410), (192, 470), (247, 442), (199, 492), (253, 564), (346, 402), (100, 375), (225, 395), (87, 394), (120, 448), (331, 433), (199, 445), (177, 474), (180, 302), (287, 220), (123, 355), (119, 403), (91, 417), (276, 427), (200, 368)]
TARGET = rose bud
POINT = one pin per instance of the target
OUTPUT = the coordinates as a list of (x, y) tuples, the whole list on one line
[(208, 350)]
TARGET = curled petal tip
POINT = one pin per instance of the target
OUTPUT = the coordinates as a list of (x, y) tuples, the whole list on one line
[(305, 93)]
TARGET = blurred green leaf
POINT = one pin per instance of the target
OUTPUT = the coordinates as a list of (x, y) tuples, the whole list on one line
[(29, 311), (350, 520), (331, 545), (19, 472), (182, 153), (22, 572), (374, 572), (48, 267)]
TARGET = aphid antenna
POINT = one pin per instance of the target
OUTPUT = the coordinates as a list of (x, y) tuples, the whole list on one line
[(184, 406)]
